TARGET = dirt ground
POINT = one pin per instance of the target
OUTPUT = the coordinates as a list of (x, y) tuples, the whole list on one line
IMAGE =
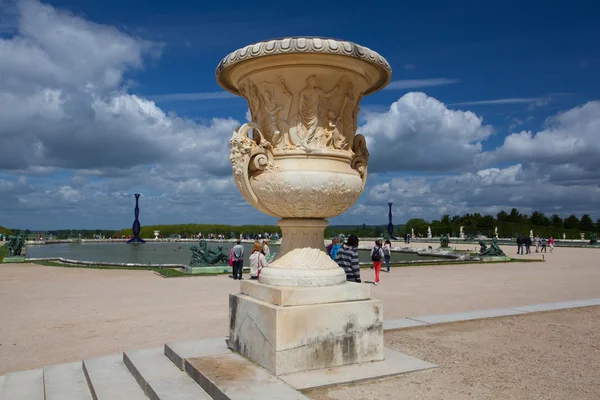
[(51, 315), (552, 355)]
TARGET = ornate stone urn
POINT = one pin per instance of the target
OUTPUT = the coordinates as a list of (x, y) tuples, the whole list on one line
[(300, 158)]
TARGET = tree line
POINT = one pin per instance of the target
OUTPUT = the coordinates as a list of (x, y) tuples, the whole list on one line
[(508, 224)]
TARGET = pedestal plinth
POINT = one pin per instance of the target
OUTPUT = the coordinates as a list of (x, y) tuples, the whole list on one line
[(292, 329)]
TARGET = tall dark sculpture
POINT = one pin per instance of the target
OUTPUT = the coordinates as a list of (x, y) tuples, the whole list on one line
[(136, 224), (390, 225)]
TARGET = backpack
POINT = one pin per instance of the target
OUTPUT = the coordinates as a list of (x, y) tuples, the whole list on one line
[(376, 256)]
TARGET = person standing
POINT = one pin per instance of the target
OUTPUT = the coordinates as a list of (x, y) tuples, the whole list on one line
[(347, 258), (335, 249), (527, 245), (387, 254), (537, 243), (551, 243), (238, 260), (330, 245), (257, 260), (519, 244), (376, 256), (265, 248), (544, 243)]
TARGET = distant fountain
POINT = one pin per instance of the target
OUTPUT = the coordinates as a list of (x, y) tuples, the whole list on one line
[(136, 223)]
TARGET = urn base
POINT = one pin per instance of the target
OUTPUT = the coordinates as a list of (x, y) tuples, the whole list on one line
[(302, 260)]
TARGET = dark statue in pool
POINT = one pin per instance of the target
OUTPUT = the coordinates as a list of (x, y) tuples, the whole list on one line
[(137, 227), (494, 249), (203, 255), (390, 225), (15, 245), (444, 241), (593, 239)]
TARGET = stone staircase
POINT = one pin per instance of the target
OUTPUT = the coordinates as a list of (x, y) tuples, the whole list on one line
[(199, 370)]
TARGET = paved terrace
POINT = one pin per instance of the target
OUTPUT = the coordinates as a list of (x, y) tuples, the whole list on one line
[(55, 315)]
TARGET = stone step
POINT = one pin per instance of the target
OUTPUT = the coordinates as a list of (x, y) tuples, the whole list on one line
[(66, 382), (159, 378), (177, 352), (26, 385), (109, 379), (229, 376)]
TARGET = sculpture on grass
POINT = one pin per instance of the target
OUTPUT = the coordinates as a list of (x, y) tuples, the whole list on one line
[(15, 245), (203, 255)]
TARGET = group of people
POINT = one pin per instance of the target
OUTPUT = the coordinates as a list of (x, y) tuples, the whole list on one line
[(346, 256), (258, 259), (524, 244)]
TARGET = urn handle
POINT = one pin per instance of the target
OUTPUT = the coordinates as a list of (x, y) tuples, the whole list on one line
[(360, 161), (250, 156)]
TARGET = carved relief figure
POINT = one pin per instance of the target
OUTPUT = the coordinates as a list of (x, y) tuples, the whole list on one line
[(347, 114), (309, 105), (272, 108)]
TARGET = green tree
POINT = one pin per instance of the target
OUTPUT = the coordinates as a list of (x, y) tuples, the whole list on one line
[(502, 216), (556, 221), (586, 223), (572, 222), (598, 225), (418, 224), (539, 219), (514, 216)]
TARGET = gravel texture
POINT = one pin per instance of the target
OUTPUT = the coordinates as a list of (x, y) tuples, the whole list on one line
[(551, 355), (51, 315)]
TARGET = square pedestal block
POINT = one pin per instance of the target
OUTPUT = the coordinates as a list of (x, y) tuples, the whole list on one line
[(293, 338), (301, 296)]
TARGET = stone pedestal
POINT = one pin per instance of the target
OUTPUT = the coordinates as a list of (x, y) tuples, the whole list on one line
[(292, 329)]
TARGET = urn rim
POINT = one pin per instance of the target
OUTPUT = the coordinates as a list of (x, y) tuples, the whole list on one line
[(304, 45)]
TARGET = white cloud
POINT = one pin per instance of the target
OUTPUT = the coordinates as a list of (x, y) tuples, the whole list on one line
[(192, 96), (419, 83), (570, 137), (485, 191), (419, 132)]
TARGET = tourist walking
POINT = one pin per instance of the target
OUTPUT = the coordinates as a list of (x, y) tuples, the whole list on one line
[(551, 243), (376, 256), (387, 253), (520, 243), (544, 243), (347, 258), (238, 260), (257, 260), (537, 243), (527, 245)]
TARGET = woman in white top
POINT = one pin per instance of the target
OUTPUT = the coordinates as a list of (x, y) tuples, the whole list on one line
[(257, 260)]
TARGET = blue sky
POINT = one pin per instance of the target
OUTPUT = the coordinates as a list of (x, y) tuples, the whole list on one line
[(496, 106)]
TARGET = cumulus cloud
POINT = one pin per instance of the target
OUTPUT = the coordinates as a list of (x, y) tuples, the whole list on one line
[(65, 114), (570, 137), (419, 132), (486, 191)]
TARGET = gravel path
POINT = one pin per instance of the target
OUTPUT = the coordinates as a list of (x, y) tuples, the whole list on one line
[(553, 355), (52, 315)]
